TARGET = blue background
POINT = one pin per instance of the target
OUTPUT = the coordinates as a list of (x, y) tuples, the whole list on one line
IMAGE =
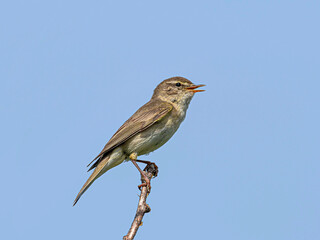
[(243, 165)]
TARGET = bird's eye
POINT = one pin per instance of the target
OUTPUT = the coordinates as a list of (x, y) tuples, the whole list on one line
[(178, 84)]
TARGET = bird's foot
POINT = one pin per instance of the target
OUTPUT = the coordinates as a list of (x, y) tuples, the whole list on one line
[(145, 184), (153, 168)]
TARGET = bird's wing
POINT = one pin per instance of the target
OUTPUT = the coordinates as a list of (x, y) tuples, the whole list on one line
[(146, 116)]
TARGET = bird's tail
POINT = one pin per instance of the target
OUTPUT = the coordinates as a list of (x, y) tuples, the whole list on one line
[(100, 169)]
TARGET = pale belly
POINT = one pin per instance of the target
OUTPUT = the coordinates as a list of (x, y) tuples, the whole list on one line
[(151, 138)]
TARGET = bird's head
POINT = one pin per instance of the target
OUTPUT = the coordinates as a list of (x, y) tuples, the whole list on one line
[(176, 90)]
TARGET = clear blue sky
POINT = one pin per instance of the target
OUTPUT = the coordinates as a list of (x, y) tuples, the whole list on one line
[(244, 164)]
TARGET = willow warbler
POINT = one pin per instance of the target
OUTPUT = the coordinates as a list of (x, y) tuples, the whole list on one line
[(147, 129)]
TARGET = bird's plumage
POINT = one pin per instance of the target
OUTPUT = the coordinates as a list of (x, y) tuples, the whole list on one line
[(146, 116)]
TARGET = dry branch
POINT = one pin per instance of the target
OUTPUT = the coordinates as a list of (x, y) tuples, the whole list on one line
[(151, 170)]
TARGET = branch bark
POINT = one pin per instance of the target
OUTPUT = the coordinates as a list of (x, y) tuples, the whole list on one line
[(151, 170)]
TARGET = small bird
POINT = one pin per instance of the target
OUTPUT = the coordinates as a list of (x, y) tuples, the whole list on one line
[(146, 130)]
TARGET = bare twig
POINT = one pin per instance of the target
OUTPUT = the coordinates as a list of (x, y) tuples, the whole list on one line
[(151, 170)]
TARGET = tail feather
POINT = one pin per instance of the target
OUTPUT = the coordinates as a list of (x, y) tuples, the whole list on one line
[(98, 171)]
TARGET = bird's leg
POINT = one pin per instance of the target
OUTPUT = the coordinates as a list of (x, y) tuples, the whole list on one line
[(144, 161), (133, 158)]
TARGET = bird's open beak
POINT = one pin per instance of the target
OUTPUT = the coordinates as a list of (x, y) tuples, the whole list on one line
[(192, 88)]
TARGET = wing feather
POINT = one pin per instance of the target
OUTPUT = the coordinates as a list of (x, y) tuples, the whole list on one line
[(146, 116)]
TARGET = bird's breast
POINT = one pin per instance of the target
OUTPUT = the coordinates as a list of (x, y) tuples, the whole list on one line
[(153, 137)]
